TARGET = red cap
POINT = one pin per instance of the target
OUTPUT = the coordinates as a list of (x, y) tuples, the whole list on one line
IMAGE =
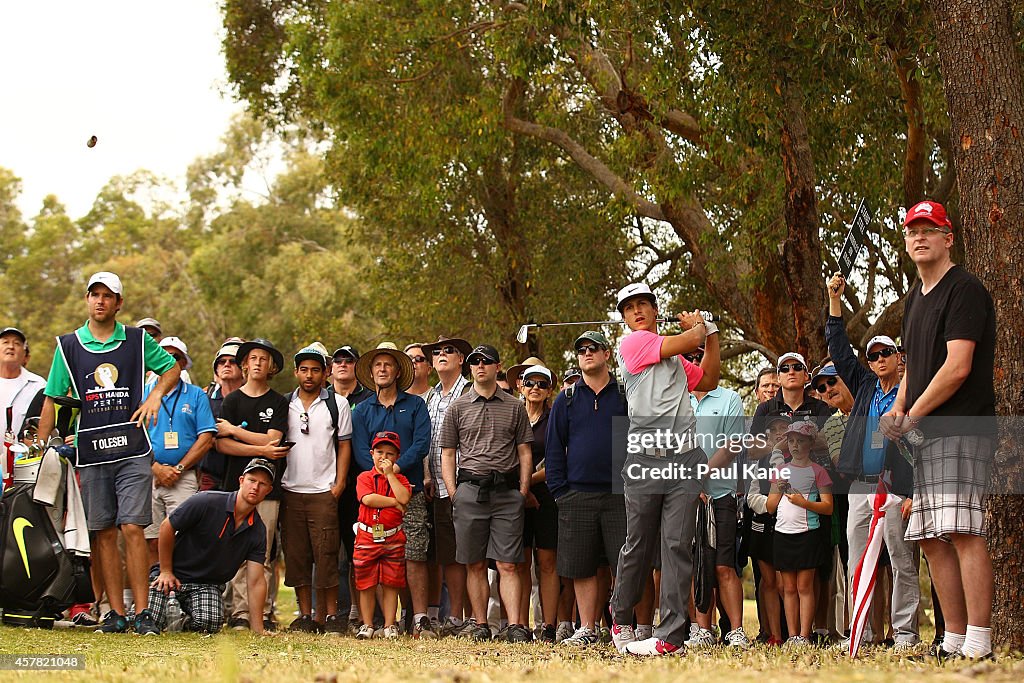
[(387, 437), (933, 212)]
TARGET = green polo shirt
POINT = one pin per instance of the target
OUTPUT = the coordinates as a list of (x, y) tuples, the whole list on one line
[(59, 381)]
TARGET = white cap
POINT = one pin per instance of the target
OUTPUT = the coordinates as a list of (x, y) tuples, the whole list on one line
[(537, 370), (112, 282), (635, 289), (792, 355), (883, 340), (178, 345)]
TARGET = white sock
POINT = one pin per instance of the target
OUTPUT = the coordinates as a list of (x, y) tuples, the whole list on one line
[(977, 642), (433, 611), (353, 612), (951, 642), (644, 631)]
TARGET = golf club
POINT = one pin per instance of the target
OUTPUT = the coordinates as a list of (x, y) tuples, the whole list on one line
[(524, 331)]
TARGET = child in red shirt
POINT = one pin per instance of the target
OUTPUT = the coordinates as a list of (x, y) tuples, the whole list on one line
[(379, 555)]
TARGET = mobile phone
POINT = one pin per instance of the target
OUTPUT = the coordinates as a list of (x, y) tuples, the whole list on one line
[(287, 444)]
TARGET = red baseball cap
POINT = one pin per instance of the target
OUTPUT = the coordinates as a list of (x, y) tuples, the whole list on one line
[(387, 437), (933, 212)]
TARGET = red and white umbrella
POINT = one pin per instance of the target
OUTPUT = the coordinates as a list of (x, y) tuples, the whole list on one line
[(865, 573)]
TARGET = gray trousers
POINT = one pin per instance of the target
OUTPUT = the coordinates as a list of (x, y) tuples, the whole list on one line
[(905, 556), (658, 513)]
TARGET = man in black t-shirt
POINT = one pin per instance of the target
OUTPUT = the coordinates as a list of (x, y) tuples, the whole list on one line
[(254, 420), (947, 403)]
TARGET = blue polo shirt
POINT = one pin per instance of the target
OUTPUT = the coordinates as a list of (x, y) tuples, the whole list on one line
[(185, 410), (881, 403), (208, 547), (408, 418), (719, 417)]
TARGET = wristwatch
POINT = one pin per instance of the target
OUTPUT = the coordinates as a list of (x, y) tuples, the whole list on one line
[(179, 468)]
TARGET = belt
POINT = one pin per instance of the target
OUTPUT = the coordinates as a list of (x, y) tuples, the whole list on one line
[(387, 534), (657, 452), (495, 481), (869, 478)]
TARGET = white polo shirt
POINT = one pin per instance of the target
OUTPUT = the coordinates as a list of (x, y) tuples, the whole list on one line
[(312, 463)]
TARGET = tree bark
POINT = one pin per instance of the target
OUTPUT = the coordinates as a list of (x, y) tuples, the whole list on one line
[(981, 71)]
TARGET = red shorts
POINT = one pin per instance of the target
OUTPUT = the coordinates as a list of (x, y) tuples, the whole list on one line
[(379, 564)]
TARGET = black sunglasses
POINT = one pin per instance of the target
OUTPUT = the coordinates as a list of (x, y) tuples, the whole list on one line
[(583, 349), (831, 382), (418, 359), (539, 383), (884, 353), (304, 423), (694, 357), (446, 350), (795, 367), (224, 361), (480, 360)]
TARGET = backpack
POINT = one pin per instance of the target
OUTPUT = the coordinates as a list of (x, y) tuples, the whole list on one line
[(39, 577)]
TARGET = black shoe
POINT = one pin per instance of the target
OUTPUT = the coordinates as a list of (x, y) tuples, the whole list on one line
[(113, 623), (335, 624), (517, 633), (304, 624), (547, 634), (942, 656), (238, 624), (144, 624), (480, 633), (269, 624), (502, 633)]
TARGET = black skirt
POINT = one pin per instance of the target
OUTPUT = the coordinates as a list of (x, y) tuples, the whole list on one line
[(800, 551)]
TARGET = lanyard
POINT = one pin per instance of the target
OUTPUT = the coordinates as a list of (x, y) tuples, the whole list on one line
[(170, 413)]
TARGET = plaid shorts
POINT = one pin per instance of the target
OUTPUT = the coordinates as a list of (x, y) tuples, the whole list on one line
[(951, 478), (417, 524), (202, 604), (591, 531), (379, 564)]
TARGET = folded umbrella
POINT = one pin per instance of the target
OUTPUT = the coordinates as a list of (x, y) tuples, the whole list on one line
[(865, 573)]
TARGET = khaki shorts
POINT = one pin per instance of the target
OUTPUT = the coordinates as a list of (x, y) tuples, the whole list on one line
[(166, 500)]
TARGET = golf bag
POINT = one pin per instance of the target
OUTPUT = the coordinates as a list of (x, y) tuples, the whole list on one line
[(39, 576)]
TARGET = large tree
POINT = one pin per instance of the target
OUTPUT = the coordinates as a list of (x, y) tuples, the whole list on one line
[(984, 85)]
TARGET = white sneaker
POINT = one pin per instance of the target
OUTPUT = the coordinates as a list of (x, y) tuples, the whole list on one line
[(391, 632), (582, 638), (737, 638), (796, 643), (622, 636), (653, 647), (564, 632), (365, 632), (905, 648), (694, 630), (843, 646), (703, 638)]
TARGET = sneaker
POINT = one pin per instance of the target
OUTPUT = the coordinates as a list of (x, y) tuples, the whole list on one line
[(652, 647), (517, 633), (820, 639), (796, 643), (449, 629), (582, 638), (502, 633), (737, 638), (354, 626), (604, 635), (238, 624), (365, 632), (84, 619), (113, 623), (269, 624), (144, 624), (843, 645), (622, 636), (694, 630), (563, 631), (478, 632), (391, 632), (905, 648), (703, 638), (334, 625), (942, 656), (305, 624), (773, 642), (424, 629), (548, 634)]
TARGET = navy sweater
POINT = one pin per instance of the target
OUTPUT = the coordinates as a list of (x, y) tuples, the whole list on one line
[(579, 439)]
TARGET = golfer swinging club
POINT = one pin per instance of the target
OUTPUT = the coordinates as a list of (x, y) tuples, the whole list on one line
[(658, 384)]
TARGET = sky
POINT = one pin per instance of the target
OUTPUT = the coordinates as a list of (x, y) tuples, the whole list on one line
[(145, 77)]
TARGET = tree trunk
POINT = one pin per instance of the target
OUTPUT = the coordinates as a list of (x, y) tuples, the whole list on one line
[(981, 71)]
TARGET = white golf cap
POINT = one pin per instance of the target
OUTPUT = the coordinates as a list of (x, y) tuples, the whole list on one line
[(112, 282), (635, 289), (883, 340), (537, 370), (792, 355), (178, 345)]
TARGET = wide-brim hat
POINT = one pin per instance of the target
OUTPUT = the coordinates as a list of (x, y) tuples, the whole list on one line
[(516, 371), (464, 347), (364, 366), (259, 343)]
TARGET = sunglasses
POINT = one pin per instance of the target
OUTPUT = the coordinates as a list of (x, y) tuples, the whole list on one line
[(884, 353), (693, 357), (830, 382), (584, 349), (178, 357), (446, 350), (795, 367), (539, 383), (480, 360), (418, 359), (224, 361), (344, 361), (304, 420)]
